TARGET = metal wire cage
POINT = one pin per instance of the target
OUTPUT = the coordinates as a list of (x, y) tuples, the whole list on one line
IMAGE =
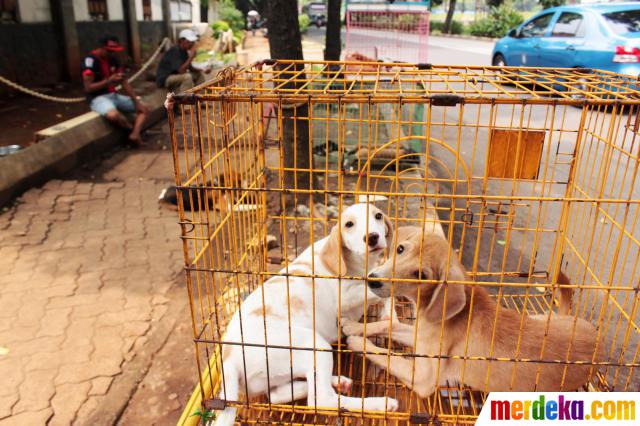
[(529, 172)]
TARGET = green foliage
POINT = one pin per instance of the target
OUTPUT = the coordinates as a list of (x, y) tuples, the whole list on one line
[(202, 56), (303, 21), (436, 27), (237, 36), (206, 415), (231, 15), (219, 27), (500, 20), (546, 4), (408, 22)]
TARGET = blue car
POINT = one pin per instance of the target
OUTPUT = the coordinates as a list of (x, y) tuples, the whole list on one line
[(602, 36)]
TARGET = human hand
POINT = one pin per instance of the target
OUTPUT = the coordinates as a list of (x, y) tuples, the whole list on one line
[(116, 78)]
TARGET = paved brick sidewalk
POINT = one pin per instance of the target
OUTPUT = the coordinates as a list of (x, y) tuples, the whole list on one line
[(85, 267)]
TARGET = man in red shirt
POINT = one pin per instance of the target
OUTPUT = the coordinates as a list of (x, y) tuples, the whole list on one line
[(101, 74)]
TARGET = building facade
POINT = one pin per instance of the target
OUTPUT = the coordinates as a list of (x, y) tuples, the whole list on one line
[(42, 41)]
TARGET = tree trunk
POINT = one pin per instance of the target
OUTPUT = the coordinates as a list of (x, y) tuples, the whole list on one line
[(333, 44), (447, 21), (285, 42)]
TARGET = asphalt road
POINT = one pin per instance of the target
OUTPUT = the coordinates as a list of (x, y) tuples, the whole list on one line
[(440, 50)]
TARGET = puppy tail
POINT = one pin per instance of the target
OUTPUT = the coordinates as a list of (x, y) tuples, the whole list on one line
[(229, 391), (566, 295)]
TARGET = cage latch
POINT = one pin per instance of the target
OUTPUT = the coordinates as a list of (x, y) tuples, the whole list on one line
[(583, 70), (424, 66), (467, 217), (185, 98), (442, 99), (215, 404), (423, 419)]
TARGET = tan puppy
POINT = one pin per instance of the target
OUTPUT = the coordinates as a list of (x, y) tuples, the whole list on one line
[(442, 321)]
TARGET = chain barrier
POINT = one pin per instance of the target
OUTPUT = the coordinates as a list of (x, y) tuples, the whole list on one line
[(31, 92)]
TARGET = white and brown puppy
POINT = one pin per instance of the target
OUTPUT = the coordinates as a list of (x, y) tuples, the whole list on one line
[(295, 319), (445, 311)]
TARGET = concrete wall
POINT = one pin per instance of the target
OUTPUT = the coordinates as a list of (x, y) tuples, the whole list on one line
[(81, 10), (139, 15), (114, 10), (156, 10), (90, 32), (151, 34), (32, 11), (31, 53), (195, 4)]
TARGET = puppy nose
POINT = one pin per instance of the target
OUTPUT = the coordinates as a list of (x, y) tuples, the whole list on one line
[(373, 281), (372, 239)]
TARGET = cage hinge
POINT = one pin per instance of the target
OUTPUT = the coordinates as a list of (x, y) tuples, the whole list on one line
[(467, 217), (423, 419), (424, 66), (185, 98), (442, 99), (214, 404)]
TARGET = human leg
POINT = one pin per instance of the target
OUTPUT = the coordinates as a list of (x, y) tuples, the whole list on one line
[(105, 105), (125, 104), (178, 83), (197, 77)]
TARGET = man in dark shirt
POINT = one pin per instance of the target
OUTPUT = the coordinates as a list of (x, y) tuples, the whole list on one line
[(175, 71), (101, 74)]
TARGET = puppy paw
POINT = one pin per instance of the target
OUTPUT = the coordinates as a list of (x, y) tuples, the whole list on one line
[(352, 328), (381, 404), (355, 343), (392, 404), (342, 384)]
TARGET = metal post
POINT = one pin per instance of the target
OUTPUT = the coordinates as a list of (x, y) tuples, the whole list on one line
[(166, 17), (62, 12), (129, 7)]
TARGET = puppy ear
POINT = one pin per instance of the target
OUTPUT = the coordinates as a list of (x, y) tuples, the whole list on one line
[(456, 298), (332, 254), (388, 231)]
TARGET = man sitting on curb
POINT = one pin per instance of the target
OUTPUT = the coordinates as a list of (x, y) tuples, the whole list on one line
[(101, 73), (175, 72)]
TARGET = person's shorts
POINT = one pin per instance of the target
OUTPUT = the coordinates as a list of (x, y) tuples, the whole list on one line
[(104, 103)]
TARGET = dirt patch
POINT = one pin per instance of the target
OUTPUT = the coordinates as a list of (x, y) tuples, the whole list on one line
[(21, 116)]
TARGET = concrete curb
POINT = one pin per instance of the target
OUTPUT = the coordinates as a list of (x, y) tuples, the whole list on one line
[(71, 144), (465, 37)]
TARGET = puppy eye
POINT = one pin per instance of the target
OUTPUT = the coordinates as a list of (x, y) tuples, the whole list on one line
[(378, 216), (400, 249), (348, 224), (416, 274)]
